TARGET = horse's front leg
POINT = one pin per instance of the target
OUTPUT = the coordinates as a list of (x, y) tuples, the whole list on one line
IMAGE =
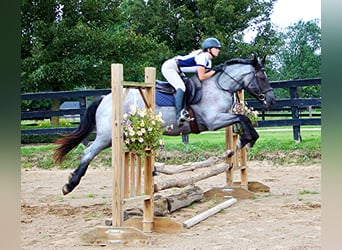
[(249, 134)]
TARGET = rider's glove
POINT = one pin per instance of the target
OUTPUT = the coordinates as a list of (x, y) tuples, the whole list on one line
[(218, 68)]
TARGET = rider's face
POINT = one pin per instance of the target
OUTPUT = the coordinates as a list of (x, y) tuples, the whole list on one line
[(215, 51)]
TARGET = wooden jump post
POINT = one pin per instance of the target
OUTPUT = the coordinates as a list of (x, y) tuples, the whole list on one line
[(128, 186), (239, 161), (121, 160)]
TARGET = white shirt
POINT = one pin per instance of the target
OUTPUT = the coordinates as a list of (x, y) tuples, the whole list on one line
[(189, 63)]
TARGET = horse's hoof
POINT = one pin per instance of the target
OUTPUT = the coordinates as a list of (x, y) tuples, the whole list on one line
[(65, 189)]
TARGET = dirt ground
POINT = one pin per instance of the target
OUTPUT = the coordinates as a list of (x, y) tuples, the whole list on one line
[(287, 217)]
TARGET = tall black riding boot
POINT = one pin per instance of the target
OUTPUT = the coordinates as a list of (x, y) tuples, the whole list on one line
[(179, 103)]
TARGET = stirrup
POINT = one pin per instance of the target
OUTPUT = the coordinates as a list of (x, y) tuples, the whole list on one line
[(185, 116)]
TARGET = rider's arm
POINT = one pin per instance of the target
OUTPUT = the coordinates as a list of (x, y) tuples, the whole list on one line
[(204, 73)]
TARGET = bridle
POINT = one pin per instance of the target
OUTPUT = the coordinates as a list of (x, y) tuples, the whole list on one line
[(259, 93)]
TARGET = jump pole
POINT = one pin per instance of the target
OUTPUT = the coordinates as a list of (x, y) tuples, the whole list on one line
[(204, 215)]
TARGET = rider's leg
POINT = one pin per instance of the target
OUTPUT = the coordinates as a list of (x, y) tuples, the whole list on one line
[(179, 103), (171, 73)]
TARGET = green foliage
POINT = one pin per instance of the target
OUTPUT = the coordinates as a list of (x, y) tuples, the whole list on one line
[(67, 45), (47, 123), (73, 43), (183, 25), (31, 105), (300, 56)]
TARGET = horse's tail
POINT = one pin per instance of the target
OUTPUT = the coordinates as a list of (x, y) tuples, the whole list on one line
[(70, 141)]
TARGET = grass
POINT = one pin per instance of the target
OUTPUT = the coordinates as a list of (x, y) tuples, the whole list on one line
[(277, 146), (304, 192), (91, 215)]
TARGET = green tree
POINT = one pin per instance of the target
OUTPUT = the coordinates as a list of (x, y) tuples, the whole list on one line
[(183, 25), (300, 55), (71, 44)]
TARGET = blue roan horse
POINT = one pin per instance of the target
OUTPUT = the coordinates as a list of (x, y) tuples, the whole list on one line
[(212, 111)]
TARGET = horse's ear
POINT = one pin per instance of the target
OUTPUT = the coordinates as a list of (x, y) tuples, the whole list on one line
[(255, 60), (263, 60)]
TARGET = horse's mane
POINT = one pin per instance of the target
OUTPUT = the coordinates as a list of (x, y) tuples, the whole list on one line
[(238, 61)]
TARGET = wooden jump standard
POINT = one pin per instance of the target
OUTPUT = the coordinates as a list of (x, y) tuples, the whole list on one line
[(127, 180), (239, 161), (126, 166)]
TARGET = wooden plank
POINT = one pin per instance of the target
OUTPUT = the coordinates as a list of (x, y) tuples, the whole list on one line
[(138, 84), (214, 210), (161, 224), (150, 78), (253, 186), (229, 160), (228, 191), (148, 190), (139, 166), (117, 144), (132, 177), (126, 174), (108, 235), (126, 201)]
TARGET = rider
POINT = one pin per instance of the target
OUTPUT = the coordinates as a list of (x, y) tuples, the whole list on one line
[(198, 62)]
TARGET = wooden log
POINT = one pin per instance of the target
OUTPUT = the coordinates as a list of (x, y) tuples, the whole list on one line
[(202, 216), (187, 180), (170, 200), (176, 169)]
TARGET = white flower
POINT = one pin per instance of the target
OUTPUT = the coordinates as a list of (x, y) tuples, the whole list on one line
[(139, 121)]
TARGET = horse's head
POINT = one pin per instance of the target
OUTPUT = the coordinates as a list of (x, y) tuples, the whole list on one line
[(259, 86)]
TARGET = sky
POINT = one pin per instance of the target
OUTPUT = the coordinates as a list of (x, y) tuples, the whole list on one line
[(288, 12)]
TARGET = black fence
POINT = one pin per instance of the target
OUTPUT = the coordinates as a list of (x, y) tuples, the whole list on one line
[(300, 111), (47, 114)]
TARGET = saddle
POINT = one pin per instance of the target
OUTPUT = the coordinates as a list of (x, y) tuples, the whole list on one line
[(165, 92)]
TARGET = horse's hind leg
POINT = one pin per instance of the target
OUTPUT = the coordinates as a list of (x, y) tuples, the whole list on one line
[(87, 156)]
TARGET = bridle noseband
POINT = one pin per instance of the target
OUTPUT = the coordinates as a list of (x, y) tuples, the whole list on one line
[(259, 94)]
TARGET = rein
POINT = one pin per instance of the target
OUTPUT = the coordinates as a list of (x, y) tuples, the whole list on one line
[(260, 95)]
